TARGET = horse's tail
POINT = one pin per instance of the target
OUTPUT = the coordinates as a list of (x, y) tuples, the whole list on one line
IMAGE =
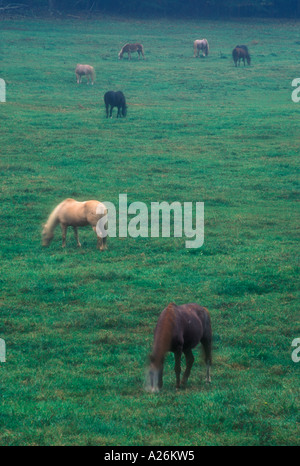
[(207, 48), (164, 332), (93, 74)]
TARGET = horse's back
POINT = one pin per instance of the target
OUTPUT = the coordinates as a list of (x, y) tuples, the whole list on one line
[(243, 47), (240, 51), (120, 97), (84, 69), (200, 42), (114, 98), (80, 69), (79, 213), (93, 211), (191, 323)]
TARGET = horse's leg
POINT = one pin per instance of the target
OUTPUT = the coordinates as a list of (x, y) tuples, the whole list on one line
[(177, 355), (106, 106), (76, 236), (189, 358), (100, 241), (129, 56), (111, 109), (104, 243), (64, 234)]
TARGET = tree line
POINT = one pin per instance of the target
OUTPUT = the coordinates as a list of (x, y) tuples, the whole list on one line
[(194, 8)]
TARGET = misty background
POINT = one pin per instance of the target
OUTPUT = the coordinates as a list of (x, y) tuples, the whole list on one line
[(171, 8)]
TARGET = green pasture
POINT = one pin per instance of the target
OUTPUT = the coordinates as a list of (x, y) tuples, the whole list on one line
[(78, 324)]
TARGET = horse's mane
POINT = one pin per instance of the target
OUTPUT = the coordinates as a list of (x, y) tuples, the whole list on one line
[(163, 332), (93, 73), (122, 49), (52, 219)]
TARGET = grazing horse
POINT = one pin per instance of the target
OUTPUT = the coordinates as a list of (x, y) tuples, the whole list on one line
[(115, 99), (128, 48), (179, 329), (201, 45), (76, 214), (240, 52), (86, 70)]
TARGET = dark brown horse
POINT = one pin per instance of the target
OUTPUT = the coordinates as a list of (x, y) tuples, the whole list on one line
[(179, 329), (240, 52)]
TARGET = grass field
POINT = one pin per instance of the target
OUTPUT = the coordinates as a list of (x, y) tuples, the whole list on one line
[(78, 324)]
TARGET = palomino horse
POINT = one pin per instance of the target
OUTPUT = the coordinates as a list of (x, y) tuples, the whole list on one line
[(201, 45), (240, 52), (86, 70), (115, 99), (179, 329), (128, 48), (76, 214)]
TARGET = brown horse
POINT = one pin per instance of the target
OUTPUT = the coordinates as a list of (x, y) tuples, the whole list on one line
[(76, 214), (86, 70), (179, 329), (201, 45), (240, 52), (128, 48)]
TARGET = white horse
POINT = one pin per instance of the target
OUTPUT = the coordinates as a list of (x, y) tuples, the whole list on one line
[(201, 45), (76, 214), (86, 70)]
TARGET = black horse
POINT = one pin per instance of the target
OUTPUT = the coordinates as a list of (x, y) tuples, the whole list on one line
[(115, 99)]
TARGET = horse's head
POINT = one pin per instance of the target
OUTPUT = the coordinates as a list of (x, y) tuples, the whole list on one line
[(120, 55), (47, 237), (248, 59), (155, 376)]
